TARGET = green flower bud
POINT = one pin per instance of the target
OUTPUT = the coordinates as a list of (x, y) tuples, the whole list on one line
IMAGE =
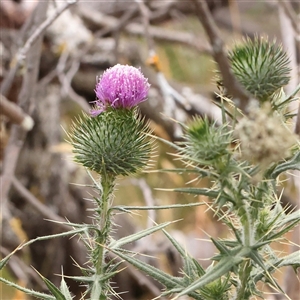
[(204, 141), (115, 142), (261, 67)]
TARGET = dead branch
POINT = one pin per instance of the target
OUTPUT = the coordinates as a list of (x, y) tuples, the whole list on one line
[(23, 51), (233, 87), (25, 101), (101, 20), (38, 205), (15, 114), (291, 14)]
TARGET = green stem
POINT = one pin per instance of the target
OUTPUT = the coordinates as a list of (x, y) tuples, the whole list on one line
[(244, 275), (246, 266), (247, 226), (107, 183)]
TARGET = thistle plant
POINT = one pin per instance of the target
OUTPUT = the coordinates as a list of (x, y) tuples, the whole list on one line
[(112, 141), (243, 158)]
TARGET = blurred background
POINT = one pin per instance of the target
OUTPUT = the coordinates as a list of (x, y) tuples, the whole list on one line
[(48, 77)]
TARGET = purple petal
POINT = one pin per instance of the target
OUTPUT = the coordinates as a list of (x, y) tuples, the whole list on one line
[(121, 86)]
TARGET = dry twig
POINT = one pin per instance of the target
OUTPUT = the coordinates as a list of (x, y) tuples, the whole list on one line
[(38, 205), (157, 33), (291, 14), (32, 39), (17, 136), (233, 87), (15, 114)]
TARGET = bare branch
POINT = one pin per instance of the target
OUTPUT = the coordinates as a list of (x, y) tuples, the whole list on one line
[(66, 79), (22, 52), (233, 87), (17, 136), (38, 205), (145, 17), (15, 114), (148, 197), (291, 14), (41, 29), (157, 33)]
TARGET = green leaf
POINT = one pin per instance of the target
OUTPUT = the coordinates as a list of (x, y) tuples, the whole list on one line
[(191, 266), (32, 293), (170, 282), (224, 266), (280, 233), (137, 236), (287, 100), (64, 289), (96, 290), (257, 258), (293, 164), (162, 277), (83, 279), (221, 247), (52, 288), (128, 208), (195, 191), (4, 260), (177, 246), (292, 259)]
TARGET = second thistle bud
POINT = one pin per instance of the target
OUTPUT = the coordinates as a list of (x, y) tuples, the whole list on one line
[(205, 142), (114, 139), (261, 67)]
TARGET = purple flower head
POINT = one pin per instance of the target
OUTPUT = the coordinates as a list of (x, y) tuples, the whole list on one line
[(121, 86)]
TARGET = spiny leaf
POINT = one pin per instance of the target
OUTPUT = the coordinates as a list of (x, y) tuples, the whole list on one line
[(170, 282), (32, 293), (162, 277), (127, 208), (52, 288), (64, 289), (292, 164), (137, 236), (4, 260), (191, 266), (224, 266)]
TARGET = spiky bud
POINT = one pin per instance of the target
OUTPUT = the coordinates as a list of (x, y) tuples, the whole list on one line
[(115, 142), (204, 142), (260, 66)]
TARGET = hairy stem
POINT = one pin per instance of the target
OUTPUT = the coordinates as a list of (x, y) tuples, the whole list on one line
[(246, 266), (245, 271), (107, 182)]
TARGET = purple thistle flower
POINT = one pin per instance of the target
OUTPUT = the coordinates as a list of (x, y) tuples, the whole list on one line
[(121, 86)]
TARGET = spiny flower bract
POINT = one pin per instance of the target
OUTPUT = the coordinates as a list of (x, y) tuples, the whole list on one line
[(205, 141), (260, 66), (121, 86), (115, 142)]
